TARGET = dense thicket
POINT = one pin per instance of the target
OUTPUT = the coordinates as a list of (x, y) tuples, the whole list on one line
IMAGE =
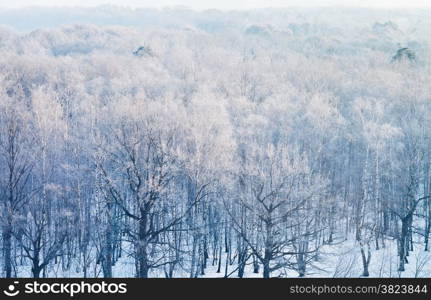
[(244, 143)]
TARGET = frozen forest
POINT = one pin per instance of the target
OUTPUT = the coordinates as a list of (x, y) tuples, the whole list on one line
[(170, 142)]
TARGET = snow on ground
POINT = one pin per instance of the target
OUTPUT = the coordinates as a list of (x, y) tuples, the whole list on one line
[(341, 259)]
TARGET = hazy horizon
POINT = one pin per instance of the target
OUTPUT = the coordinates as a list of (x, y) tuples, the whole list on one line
[(222, 4)]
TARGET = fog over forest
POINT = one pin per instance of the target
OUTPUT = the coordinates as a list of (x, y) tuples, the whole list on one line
[(279, 142)]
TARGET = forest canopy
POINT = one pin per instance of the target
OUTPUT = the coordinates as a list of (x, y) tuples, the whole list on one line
[(176, 143)]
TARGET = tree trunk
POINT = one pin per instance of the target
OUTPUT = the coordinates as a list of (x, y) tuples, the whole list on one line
[(219, 259), (266, 269), (255, 265), (301, 264), (107, 261), (403, 240), (36, 270), (366, 258), (142, 247), (268, 248), (242, 259), (7, 244)]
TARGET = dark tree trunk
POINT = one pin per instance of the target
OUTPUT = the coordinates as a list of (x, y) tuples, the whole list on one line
[(255, 265), (7, 244), (142, 247), (219, 259), (366, 258), (403, 240), (107, 261)]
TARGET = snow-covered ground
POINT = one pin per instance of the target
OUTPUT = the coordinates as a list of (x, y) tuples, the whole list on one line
[(341, 259), (344, 260)]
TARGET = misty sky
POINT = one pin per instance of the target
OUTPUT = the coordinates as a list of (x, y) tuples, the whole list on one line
[(220, 4)]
